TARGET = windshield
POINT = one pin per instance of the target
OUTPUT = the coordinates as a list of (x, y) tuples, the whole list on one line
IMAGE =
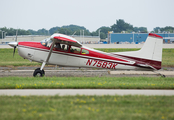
[(46, 42)]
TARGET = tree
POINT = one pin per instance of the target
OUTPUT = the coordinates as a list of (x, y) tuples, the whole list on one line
[(140, 29), (11, 32), (121, 26), (104, 29), (32, 32), (165, 29), (94, 33), (65, 31), (157, 29), (42, 32), (102, 35), (103, 32), (53, 30), (76, 29)]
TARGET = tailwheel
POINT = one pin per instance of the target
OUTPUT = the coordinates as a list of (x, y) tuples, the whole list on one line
[(163, 76), (38, 73)]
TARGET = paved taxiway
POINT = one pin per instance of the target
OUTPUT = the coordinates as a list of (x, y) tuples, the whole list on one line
[(63, 92), (85, 73)]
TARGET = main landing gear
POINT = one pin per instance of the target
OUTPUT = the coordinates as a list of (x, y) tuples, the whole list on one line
[(38, 73)]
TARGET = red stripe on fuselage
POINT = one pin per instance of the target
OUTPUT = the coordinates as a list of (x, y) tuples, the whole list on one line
[(95, 54), (153, 63)]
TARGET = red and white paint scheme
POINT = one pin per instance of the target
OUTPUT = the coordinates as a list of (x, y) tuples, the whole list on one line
[(64, 50)]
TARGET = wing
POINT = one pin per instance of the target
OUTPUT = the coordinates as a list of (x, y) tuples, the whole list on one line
[(64, 39)]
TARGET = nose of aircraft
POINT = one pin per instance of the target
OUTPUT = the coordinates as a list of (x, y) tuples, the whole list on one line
[(13, 44)]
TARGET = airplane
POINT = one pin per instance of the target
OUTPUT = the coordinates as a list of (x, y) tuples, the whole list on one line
[(63, 50)]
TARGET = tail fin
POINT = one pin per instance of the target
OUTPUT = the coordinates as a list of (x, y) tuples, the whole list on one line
[(150, 55), (152, 49)]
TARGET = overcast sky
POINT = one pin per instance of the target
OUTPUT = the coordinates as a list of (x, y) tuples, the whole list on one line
[(92, 14)]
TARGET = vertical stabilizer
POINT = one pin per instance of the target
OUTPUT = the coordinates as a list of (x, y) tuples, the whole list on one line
[(150, 54), (152, 48)]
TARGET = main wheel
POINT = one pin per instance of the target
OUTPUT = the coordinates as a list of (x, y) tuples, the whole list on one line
[(42, 70), (38, 73)]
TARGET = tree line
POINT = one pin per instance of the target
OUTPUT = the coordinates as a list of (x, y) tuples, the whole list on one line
[(119, 27)]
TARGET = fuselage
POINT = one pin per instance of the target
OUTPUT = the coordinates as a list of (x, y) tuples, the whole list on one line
[(84, 57)]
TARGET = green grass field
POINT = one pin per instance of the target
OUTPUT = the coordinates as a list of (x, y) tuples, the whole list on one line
[(87, 107), (6, 57), (86, 83)]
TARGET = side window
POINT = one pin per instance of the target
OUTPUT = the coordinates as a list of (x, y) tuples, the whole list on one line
[(61, 47), (74, 49), (85, 51)]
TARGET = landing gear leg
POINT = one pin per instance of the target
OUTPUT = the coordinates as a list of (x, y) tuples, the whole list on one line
[(39, 71)]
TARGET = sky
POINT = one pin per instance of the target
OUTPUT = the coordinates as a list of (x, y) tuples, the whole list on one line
[(92, 14)]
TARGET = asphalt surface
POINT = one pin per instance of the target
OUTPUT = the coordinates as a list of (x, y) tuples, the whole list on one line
[(57, 71), (85, 73)]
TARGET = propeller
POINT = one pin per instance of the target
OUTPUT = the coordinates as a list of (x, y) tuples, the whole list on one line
[(16, 35), (14, 50), (14, 44)]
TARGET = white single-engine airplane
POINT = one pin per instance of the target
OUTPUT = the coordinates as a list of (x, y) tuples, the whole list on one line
[(64, 50)]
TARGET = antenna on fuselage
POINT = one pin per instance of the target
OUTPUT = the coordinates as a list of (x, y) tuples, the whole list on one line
[(73, 33)]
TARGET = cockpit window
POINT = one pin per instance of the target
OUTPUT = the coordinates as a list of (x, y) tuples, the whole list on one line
[(85, 51), (46, 42)]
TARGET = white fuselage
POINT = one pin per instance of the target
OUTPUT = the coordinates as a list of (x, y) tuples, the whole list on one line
[(68, 59)]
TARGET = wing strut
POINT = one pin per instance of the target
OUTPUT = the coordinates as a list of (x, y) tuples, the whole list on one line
[(49, 54)]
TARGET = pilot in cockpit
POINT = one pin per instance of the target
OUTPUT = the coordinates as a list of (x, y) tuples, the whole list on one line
[(63, 47), (58, 46)]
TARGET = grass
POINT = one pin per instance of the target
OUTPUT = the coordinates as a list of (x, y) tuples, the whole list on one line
[(168, 58), (6, 57), (87, 107), (86, 83)]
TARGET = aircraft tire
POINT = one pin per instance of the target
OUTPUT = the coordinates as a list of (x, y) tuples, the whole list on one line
[(42, 70), (38, 73)]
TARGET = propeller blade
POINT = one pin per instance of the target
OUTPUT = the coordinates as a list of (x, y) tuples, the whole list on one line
[(16, 35), (14, 50)]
